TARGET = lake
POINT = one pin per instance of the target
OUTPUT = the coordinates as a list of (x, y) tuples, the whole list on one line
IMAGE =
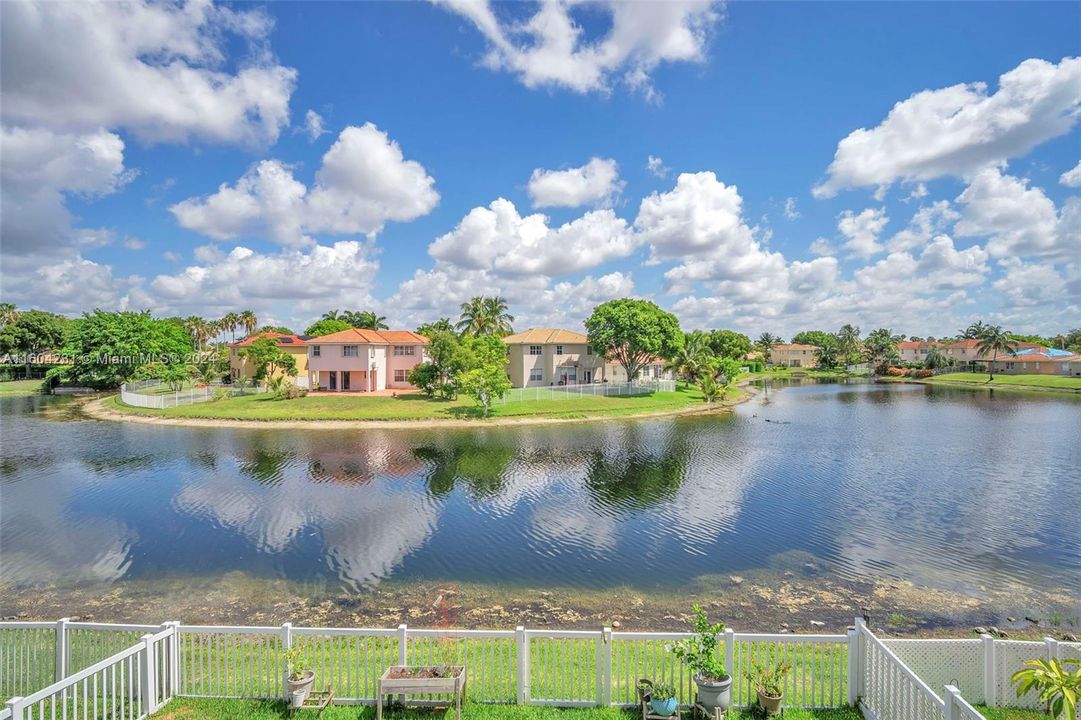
[(891, 496)]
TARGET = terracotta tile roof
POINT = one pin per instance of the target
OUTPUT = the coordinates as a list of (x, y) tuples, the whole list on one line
[(403, 337), (793, 346), (371, 337), (545, 336), (282, 339)]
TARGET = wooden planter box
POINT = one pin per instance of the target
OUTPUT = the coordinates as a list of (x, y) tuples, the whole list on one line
[(453, 683)]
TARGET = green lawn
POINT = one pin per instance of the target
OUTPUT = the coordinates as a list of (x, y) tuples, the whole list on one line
[(1058, 382), (20, 387), (197, 708), (416, 406), (1008, 713)]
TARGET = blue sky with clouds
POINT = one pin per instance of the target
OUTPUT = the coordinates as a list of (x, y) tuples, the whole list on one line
[(759, 166)]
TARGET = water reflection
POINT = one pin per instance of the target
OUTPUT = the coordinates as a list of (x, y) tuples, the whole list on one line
[(939, 486)]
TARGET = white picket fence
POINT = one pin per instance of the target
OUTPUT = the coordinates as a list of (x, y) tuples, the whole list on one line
[(587, 390), (112, 671), (152, 394)]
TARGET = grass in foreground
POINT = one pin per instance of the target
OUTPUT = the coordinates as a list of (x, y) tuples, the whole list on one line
[(416, 406), (1010, 713), (213, 709), (1057, 382), (20, 387)]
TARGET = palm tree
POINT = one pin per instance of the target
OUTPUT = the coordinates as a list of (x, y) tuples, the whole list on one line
[(881, 347), (366, 320), (230, 321), (331, 315), (827, 355), (8, 313), (692, 357), (199, 329), (248, 321), (974, 331), (711, 388), (765, 343), (994, 340), (848, 341), (499, 320), (936, 359)]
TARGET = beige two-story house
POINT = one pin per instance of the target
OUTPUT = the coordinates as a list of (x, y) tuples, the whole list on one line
[(550, 356)]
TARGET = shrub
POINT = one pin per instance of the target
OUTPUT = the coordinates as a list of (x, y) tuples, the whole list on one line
[(897, 372), (289, 391), (920, 374)]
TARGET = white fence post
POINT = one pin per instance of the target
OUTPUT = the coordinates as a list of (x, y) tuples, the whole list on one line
[(61, 670), (1052, 648), (990, 698), (604, 667), (16, 706), (287, 644), (148, 688), (174, 660), (521, 641), (403, 644), (861, 659), (949, 702), (730, 651), (853, 666)]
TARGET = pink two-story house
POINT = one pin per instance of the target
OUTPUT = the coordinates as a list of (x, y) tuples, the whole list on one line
[(357, 360)]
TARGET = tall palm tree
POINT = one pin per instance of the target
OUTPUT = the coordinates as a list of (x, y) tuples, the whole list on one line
[(994, 340), (766, 341), (848, 341), (8, 313), (331, 315), (974, 331), (365, 319), (881, 347), (500, 321), (692, 357), (199, 329), (248, 321), (230, 321)]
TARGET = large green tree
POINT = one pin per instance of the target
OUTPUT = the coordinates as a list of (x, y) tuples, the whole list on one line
[(992, 341), (108, 348), (440, 325), (729, 344), (447, 359), (486, 378), (881, 348), (269, 361), (32, 332), (818, 338), (692, 358), (633, 332), (326, 326)]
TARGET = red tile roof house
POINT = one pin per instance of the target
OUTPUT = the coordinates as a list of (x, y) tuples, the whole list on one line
[(357, 360), (241, 369)]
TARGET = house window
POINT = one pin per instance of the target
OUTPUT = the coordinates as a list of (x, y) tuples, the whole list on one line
[(401, 376), (349, 351), (315, 351), (371, 352), (559, 349), (536, 350), (400, 350), (536, 374), (589, 349)]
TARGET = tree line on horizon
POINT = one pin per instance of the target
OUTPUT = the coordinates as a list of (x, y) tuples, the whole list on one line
[(628, 331)]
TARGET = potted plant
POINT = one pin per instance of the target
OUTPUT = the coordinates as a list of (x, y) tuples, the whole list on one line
[(662, 700), (700, 654), (768, 682), (1057, 686), (299, 677)]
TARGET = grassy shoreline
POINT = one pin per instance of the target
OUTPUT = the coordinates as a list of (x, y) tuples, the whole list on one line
[(20, 388), (411, 410), (1024, 383)]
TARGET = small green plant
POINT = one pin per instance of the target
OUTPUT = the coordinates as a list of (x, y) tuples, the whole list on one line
[(1056, 685), (768, 678), (296, 662), (700, 652), (662, 692)]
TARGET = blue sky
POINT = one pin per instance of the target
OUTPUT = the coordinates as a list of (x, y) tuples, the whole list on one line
[(296, 157)]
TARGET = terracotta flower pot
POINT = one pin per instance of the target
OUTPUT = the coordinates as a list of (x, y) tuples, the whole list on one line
[(769, 704)]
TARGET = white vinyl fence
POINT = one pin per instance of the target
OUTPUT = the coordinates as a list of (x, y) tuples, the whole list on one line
[(152, 394), (98, 670), (587, 390)]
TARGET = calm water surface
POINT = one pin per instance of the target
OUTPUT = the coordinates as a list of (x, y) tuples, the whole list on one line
[(942, 487)]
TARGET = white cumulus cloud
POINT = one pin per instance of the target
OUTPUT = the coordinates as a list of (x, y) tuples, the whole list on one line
[(596, 182), (861, 230)]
